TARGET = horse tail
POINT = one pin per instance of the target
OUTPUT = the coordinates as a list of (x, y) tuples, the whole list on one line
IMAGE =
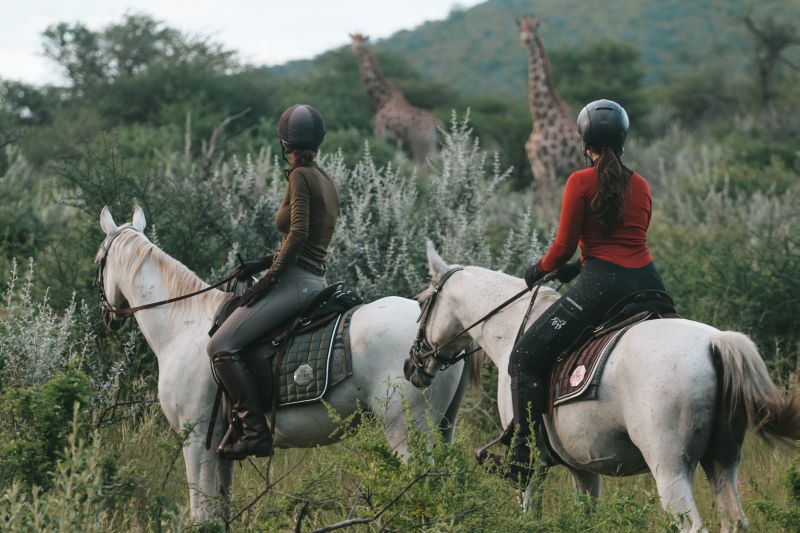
[(747, 388)]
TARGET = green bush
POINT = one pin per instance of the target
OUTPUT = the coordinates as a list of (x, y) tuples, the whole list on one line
[(37, 424)]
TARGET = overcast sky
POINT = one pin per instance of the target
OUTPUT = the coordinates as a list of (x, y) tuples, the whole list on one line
[(265, 32)]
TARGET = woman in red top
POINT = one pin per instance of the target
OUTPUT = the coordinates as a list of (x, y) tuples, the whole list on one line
[(606, 212)]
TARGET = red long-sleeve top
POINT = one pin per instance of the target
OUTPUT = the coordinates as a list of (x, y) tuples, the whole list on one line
[(580, 226)]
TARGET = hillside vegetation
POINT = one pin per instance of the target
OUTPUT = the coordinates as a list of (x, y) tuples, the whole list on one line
[(178, 125)]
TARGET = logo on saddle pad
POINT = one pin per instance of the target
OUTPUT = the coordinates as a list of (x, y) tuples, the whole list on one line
[(577, 376), (303, 375)]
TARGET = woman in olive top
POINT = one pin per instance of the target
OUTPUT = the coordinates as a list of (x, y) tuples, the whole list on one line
[(296, 273)]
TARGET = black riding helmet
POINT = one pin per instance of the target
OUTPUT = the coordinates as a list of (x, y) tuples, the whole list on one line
[(603, 124), (301, 126)]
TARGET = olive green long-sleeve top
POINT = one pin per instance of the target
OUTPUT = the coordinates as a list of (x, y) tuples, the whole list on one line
[(306, 217)]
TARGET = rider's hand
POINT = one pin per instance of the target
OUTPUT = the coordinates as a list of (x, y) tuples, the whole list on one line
[(249, 268), (568, 271), (533, 274), (257, 291)]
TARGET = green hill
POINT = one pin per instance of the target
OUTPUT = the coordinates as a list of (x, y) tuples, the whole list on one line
[(477, 51)]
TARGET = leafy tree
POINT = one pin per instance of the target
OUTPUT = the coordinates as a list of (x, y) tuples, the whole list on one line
[(130, 48), (771, 38), (603, 69)]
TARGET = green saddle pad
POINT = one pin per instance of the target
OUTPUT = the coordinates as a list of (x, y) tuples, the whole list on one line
[(314, 362)]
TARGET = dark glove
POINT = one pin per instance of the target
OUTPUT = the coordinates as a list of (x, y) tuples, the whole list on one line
[(257, 291), (568, 271), (253, 267), (533, 274)]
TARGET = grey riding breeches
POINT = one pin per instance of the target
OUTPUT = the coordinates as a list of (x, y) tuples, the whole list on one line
[(286, 299)]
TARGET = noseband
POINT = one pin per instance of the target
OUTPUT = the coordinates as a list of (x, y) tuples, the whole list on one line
[(422, 350)]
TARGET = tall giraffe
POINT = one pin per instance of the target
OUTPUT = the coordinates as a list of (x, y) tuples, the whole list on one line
[(396, 120), (554, 148)]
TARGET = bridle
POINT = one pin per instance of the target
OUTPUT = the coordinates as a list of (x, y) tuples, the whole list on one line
[(109, 310), (422, 351)]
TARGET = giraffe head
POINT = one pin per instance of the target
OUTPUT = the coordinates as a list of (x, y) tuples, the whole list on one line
[(358, 40), (528, 26)]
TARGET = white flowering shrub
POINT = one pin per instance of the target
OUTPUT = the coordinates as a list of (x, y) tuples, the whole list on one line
[(36, 341), (387, 213)]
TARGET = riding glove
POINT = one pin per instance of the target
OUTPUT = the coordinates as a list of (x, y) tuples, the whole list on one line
[(568, 271), (257, 291), (248, 268), (533, 274)]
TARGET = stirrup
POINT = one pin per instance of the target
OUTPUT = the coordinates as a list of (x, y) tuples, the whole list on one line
[(505, 438)]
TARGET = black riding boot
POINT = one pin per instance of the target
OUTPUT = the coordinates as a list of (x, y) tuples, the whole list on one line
[(256, 439), (528, 400)]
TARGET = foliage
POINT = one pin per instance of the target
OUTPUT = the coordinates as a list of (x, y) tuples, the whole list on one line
[(610, 69), (35, 342), (37, 423), (789, 518), (86, 487)]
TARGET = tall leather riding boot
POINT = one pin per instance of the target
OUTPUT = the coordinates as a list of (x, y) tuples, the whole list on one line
[(528, 400), (256, 439)]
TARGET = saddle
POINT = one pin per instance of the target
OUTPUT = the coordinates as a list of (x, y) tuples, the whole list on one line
[(577, 371), (300, 360)]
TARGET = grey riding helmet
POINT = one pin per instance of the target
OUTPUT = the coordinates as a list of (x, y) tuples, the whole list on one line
[(603, 124), (301, 126)]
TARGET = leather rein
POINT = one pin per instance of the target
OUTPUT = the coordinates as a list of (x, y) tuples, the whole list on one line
[(422, 350), (126, 312)]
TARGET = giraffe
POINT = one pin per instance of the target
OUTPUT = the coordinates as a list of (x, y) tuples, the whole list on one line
[(554, 147), (396, 120)]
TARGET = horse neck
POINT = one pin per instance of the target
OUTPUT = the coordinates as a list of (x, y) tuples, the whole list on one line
[(156, 277), (477, 292)]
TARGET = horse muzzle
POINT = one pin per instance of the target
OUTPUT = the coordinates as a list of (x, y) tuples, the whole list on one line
[(416, 375)]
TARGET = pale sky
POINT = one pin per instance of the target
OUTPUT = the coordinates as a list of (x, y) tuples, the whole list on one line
[(265, 32)]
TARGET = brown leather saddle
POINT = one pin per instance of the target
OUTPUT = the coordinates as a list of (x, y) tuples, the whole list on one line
[(577, 371)]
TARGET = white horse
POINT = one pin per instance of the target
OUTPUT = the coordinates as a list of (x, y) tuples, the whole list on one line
[(674, 393), (137, 272)]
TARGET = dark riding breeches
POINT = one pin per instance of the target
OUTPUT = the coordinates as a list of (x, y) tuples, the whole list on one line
[(600, 285), (286, 299)]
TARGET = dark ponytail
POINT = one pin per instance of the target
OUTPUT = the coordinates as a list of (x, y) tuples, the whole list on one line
[(303, 157), (612, 179)]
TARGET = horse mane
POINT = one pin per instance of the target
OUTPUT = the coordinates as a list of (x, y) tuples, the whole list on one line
[(178, 278)]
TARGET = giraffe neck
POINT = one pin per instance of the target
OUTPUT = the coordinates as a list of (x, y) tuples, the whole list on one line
[(542, 92), (378, 88)]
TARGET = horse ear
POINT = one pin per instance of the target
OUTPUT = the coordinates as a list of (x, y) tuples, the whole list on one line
[(139, 222), (107, 221), (436, 265)]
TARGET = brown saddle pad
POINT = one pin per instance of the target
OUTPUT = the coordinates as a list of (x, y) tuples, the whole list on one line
[(576, 374)]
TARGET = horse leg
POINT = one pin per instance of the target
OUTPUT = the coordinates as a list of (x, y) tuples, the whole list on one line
[(721, 465), (722, 478), (587, 483), (673, 475), (209, 478), (534, 492), (447, 426)]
